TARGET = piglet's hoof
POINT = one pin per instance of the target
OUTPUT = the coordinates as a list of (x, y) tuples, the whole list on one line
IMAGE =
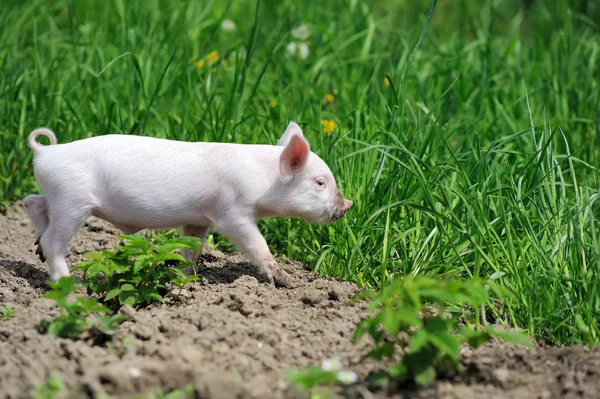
[(40, 253), (282, 279)]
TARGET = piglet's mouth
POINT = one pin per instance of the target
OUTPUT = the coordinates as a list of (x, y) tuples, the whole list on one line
[(338, 215), (329, 217), (342, 206)]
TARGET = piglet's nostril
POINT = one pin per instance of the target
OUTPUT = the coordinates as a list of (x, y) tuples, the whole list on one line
[(347, 204)]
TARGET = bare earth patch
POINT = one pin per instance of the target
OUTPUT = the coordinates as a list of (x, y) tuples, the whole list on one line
[(232, 336)]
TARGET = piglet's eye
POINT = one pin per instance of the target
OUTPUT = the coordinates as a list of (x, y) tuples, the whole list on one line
[(321, 183)]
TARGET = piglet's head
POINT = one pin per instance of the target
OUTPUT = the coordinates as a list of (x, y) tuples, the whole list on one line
[(310, 189)]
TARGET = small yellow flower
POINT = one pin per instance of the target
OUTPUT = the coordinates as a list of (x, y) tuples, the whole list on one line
[(386, 81), (328, 126), (273, 104), (212, 57), (328, 99), (200, 64)]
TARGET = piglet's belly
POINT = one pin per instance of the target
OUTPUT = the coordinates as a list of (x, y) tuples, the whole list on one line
[(133, 219)]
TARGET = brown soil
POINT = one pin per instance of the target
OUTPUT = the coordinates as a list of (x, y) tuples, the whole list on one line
[(231, 336)]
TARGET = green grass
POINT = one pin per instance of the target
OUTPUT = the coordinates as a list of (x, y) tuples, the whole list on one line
[(478, 160)]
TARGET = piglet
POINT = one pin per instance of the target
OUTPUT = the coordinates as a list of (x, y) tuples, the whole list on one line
[(139, 182)]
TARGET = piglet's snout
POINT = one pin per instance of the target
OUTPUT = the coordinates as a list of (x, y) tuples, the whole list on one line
[(342, 205), (346, 206)]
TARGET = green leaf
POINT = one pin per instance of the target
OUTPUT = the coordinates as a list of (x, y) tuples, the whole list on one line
[(390, 323), (191, 242), (434, 294), (94, 269), (177, 272), (127, 287), (180, 282), (426, 376), (581, 323), (128, 298), (447, 342), (55, 384), (477, 294), (419, 340), (90, 305), (172, 246), (361, 329), (310, 377), (162, 257), (140, 263), (510, 336), (413, 295), (62, 288), (399, 371), (154, 296), (409, 317), (109, 324), (474, 338), (382, 351), (436, 324), (137, 241), (112, 293)]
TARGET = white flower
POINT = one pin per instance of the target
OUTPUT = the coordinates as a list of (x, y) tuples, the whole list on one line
[(303, 51), (301, 32), (134, 372), (291, 48), (347, 377), (228, 25), (298, 49), (331, 364)]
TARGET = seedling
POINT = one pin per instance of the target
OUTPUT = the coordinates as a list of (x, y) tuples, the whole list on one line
[(422, 314), (138, 272), (7, 312), (329, 373), (79, 317), (52, 387)]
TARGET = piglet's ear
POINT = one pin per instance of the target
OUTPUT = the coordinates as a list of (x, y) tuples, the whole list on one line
[(294, 156), (292, 130)]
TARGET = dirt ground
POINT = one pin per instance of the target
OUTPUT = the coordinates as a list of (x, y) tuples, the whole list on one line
[(232, 336)]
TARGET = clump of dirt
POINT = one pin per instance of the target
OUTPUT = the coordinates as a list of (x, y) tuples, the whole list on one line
[(231, 336)]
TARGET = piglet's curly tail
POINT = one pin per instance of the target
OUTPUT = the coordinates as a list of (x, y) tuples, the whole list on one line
[(35, 146)]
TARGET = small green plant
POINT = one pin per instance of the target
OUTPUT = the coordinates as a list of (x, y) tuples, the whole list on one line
[(53, 386), (329, 373), (138, 272), (7, 312), (311, 377), (421, 315), (78, 316)]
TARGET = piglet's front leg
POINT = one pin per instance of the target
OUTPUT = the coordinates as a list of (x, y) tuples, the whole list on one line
[(246, 235)]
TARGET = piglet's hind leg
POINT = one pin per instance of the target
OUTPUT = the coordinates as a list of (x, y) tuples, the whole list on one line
[(55, 240), (37, 210)]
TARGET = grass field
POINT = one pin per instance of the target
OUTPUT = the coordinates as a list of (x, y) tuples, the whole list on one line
[(470, 150)]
